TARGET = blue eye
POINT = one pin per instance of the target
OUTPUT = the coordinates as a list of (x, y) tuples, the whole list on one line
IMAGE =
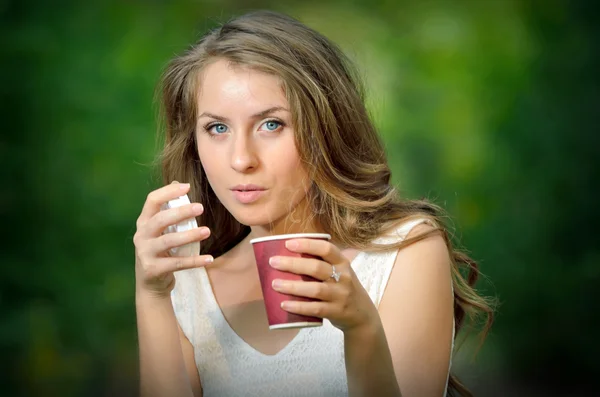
[(218, 128), (272, 125)]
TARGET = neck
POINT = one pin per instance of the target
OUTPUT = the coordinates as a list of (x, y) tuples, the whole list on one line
[(299, 220)]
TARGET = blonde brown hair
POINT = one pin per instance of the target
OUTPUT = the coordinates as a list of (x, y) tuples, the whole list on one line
[(351, 196)]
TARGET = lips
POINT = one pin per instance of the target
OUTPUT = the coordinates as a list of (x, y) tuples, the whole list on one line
[(247, 196), (247, 188)]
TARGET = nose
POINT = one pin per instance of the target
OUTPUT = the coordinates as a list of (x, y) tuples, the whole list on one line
[(243, 157)]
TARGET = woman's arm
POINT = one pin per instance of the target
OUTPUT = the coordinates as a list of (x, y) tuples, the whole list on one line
[(164, 354), (167, 366), (369, 367), (416, 315), (190, 363), (405, 344)]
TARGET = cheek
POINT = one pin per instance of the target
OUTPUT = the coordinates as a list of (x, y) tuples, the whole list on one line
[(293, 171), (290, 162)]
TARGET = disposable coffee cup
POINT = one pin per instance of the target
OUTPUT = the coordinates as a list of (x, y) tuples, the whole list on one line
[(264, 249)]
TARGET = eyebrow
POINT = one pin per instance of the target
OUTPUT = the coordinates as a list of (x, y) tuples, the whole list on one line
[(258, 115)]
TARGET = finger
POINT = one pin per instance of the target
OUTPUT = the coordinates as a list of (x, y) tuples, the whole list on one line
[(308, 266), (322, 248), (308, 289), (176, 263), (159, 222), (158, 197), (312, 309), (173, 240)]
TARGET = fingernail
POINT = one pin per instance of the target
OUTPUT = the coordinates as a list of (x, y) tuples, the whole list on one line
[(204, 231), (277, 284), (210, 259), (197, 208), (274, 261), (291, 244), (184, 186)]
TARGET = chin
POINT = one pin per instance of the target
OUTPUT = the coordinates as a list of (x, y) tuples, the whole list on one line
[(252, 217), (249, 216)]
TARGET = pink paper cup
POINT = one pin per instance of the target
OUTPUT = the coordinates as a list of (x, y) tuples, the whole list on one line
[(264, 249)]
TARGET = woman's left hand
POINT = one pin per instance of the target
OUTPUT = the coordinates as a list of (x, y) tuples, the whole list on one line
[(344, 301)]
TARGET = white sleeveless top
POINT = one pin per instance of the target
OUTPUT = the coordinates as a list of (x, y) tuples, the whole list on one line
[(311, 365)]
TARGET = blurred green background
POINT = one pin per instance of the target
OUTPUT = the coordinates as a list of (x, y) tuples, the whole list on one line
[(489, 108)]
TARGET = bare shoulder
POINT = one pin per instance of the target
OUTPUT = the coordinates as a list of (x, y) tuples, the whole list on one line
[(432, 235), (433, 241), (417, 313), (420, 281), (425, 263)]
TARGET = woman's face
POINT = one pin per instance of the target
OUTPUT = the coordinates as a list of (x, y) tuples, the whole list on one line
[(247, 149)]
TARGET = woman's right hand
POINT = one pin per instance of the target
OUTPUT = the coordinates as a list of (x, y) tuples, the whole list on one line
[(154, 266)]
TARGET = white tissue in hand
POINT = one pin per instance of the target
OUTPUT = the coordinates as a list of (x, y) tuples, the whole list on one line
[(189, 249)]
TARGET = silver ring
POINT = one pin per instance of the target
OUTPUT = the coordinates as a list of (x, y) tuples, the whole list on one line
[(335, 275)]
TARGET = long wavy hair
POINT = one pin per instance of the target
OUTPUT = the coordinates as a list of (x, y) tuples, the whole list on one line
[(351, 196)]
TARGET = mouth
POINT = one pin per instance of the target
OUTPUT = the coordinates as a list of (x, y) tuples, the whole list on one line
[(247, 196), (247, 188)]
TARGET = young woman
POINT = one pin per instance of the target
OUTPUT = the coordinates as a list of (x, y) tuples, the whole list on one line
[(266, 125)]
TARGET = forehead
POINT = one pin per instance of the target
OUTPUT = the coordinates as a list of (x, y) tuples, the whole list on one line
[(224, 84)]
